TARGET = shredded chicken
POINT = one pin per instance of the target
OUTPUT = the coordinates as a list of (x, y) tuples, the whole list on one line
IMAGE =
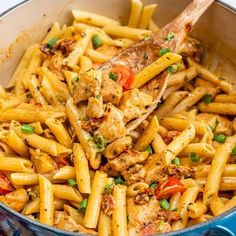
[(117, 147), (107, 204), (110, 90), (128, 158), (112, 126), (133, 103), (134, 174), (16, 199)]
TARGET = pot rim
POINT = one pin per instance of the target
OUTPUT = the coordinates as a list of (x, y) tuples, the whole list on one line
[(59, 231)]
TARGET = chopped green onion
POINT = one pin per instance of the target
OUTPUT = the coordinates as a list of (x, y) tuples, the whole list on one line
[(164, 204), (83, 205), (113, 76), (158, 104), (172, 69), (108, 189), (148, 149), (194, 157), (176, 161), (163, 51), (51, 43), (119, 180), (220, 138), (99, 142), (170, 36), (221, 78), (97, 42), (153, 185), (207, 99), (27, 129), (72, 182), (233, 151)]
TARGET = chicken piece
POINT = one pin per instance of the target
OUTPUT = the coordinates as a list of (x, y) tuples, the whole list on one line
[(112, 126), (128, 158), (133, 104), (91, 125), (140, 215), (110, 90), (117, 147), (16, 199), (191, 48), (224, 126), (85, 87), (168, 216), (155, 227), (42, 161), (180, 171), (134, 174), (108, 50), (95, 107), (107, 204)]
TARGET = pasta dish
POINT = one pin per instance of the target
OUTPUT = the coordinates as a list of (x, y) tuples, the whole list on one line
[(118, 130)]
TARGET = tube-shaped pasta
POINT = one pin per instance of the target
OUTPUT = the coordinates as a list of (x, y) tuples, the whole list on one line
[(94, 200), (196, 209), (209, 76), (85, 64), (225, 98), (46, 214), (199, 220), (188, 197), (158, 144), (217, 167), (192, 98), (127, 32), (3, 94), (135, 188), (148, 135), (79, 49), (97, 56), (65, 173), (67, 193), (135, 13), (218, 108), (153, 26), (170, 103), (178, 144), (154, 69), (24, 178), (93, 19), (59, 131), (83, 136), (216, 206), (34, 86), (104, 225), (183, 76), (146, 16), (37, 127), (230, 204), (81, 169), (203, 170), (16, 164), (172, 123), (189, 183), (174, 201), (119, 216), (53, 33), (70, 79), (202, 149), (12, 102)]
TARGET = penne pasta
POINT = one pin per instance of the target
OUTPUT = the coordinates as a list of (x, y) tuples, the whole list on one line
[(154, 69), (146, 16), (53, 33), (65, 173), (66, 193), (135, 13), (24, 178)]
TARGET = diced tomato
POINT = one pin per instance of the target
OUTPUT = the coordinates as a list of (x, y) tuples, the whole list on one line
[(171, 186), (5, 185), (125, 76)]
